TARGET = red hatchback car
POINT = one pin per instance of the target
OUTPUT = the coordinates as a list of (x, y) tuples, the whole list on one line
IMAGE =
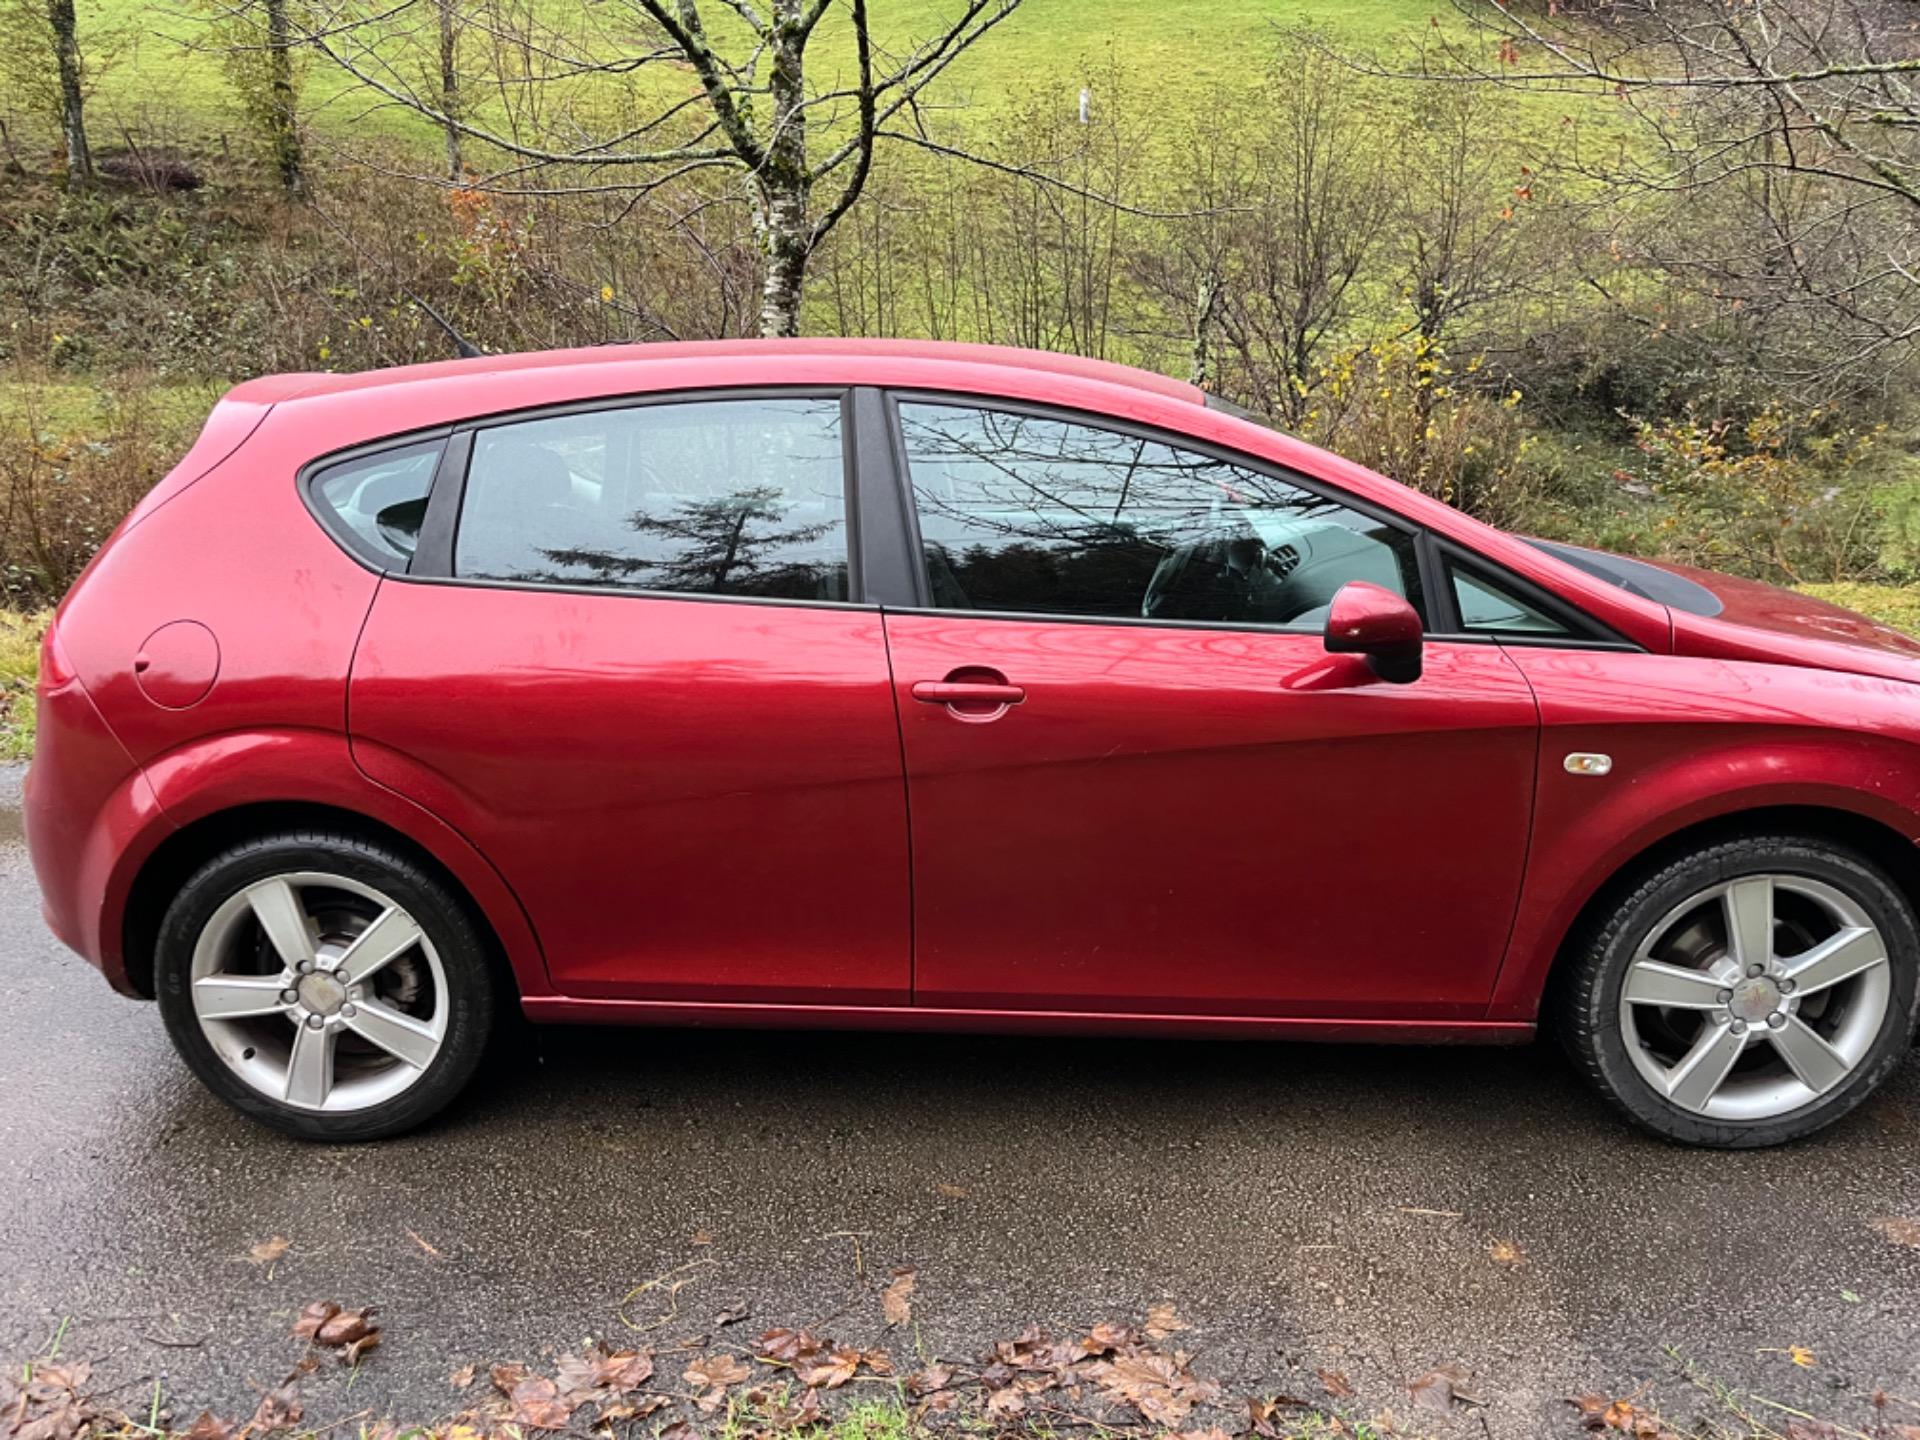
[(909, 685)]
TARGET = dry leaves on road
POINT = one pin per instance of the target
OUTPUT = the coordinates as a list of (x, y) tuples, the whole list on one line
[(1899, 1229), (1443, 1387), (1335, 1383), (1624, 1416), (1163, 1320), (896, 1300), (268, 1251), (1506, 1252), (351, 1332)]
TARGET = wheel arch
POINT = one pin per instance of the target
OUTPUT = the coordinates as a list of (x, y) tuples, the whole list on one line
[(1873, 839), (186, 849)]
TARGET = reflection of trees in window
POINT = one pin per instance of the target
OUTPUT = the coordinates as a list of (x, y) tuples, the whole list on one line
[(1023, 512), (732, 544)]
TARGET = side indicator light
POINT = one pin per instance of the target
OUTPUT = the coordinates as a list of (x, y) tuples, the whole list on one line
[(1583, 762)]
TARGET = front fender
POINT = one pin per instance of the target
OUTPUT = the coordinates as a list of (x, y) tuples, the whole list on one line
[(1587, 830)]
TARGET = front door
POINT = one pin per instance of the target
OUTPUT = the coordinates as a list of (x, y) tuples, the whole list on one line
[(644, 695), (1139, 784)]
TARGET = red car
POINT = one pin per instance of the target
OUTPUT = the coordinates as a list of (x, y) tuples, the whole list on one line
[(899, 685)]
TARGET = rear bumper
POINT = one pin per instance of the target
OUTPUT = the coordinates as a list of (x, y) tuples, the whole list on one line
[(85, 800)]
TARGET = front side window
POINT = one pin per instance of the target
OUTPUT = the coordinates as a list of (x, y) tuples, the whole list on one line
[(1021, 513), (375, 503), (1490, 608), (712, 497)]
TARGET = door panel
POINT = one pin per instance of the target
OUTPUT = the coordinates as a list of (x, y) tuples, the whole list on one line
[(1190, 821), (693, 799)]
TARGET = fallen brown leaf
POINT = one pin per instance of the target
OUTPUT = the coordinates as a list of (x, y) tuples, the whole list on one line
[(711, 1375), (930, 1380), (952, 1192), (1440, 1388), (268, 1251), (831, 1370), (732, 1315), (307, 1325), (279, 1409), (461, 1378), (1162, 1321), (786, 1347), (537, 1403), (207, 1427), (506, 1376), (701, 1237), (1506, 1252), (1335, 1383), (1006, 1402), (1899, 1229), (895, 1301)]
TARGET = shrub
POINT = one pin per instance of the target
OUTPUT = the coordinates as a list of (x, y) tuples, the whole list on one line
[(66, 481)]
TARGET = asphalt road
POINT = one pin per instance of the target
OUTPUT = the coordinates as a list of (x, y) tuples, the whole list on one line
[(1302, 1206)]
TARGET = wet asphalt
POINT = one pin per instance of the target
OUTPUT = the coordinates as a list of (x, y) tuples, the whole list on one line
[(1302, 1206)]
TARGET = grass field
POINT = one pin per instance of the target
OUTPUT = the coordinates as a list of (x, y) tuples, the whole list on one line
[(156, 73)]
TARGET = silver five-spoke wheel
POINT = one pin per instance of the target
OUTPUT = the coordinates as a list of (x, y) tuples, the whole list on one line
[(319, 991), (1755, 997)]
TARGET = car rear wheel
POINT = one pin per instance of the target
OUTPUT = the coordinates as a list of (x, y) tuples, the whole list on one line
[(1748, 993), (325, 985)]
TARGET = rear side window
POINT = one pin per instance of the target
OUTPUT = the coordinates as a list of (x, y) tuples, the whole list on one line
[(374, 504), (712, 497)]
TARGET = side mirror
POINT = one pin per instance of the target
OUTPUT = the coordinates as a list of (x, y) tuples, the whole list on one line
[(1368, 620)]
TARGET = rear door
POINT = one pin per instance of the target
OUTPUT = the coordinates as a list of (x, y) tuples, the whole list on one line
[(635, 670), (1138, 782)]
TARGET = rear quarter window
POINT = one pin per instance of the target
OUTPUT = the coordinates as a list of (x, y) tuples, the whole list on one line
[(374, 504)]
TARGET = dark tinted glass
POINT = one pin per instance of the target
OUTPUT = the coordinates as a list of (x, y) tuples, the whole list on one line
[(1637, 577), (1045, 516), (713, 497), (376, 503)]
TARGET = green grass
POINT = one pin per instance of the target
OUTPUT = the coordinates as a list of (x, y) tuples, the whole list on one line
[(19, 669), (158, 75), (1895, 605)]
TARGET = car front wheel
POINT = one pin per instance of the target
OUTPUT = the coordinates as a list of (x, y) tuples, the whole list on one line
[(1747, 993), (325, 985)]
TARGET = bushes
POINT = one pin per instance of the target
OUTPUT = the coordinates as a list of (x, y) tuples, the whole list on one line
[(70, 469), (1779, 496)]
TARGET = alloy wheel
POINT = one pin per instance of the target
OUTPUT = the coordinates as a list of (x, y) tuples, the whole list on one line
[(319, 991), (1755, 997)]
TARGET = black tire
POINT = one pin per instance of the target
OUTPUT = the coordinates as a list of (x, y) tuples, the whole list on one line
[(1587, 996), (446, 923)]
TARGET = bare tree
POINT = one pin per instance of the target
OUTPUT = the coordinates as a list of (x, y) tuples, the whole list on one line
[(450, 103), (73, 120), (256, 41), (42, 71), (1282, 229), (1794, 125), (803, 151)]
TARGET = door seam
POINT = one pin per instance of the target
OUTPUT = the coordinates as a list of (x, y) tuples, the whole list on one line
[(906, 806)]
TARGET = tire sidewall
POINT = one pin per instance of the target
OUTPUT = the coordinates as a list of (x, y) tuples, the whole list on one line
[(1596, 1033), (463, 960)]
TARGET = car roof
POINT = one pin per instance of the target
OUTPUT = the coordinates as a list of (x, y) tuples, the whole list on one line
[(280, 389)]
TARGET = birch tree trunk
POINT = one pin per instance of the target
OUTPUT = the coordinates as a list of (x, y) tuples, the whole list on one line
[(73, 125), (785, 221), (282, 121), (450, 84)]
